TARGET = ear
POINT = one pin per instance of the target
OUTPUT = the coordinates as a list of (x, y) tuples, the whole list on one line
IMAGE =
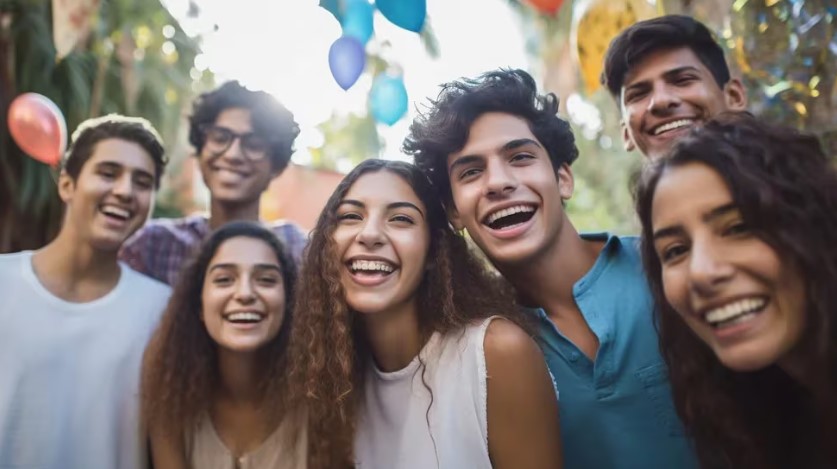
[(453, 216), (566, 182), (735, 96), (66, 186), (627, 141)]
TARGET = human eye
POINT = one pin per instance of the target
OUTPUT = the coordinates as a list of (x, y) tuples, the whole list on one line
[(222, 279), (737, 227), (254, 143), (269, 279), (218, 135), (672, 252), (403, 219), (108, 172), (523, 156), (633, 95), (349, 216), (468, 173), (144, 182)]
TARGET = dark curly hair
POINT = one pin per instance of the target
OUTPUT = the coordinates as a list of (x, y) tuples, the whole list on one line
[(131, 129), (665, 32), (786, 190), (443, 128), (270, 119), (180, 366), (328, 350)]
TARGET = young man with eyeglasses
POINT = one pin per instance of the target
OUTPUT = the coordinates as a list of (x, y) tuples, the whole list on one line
[(243, 139)]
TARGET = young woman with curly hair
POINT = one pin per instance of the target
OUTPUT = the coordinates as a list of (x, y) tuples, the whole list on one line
[(216, 367), (739, 232), (406, 352)]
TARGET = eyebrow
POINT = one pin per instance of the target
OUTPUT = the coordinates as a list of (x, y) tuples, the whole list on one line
[(668, 74), (115, 165), (229, 265), (391, 206), (508, 146), (708, 217)]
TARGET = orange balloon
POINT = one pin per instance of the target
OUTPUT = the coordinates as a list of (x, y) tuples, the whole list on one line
[(38, 127), (546, 6)]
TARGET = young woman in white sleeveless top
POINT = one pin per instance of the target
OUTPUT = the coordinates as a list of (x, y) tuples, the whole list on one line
[(214, 371), (406, 352)]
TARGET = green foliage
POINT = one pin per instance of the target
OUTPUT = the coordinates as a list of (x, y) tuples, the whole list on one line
[(122, 66)]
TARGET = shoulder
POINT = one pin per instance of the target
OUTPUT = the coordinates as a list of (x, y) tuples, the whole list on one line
[(11, 265), (285, 229), (506, 343), (144, 286)]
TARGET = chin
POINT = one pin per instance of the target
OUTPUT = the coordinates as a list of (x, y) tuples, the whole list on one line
[(747, 363)]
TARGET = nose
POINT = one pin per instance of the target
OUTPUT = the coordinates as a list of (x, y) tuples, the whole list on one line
[(371, 235), (709, 269), (244, 291), (663, 99), (499, 178), (124, 186)]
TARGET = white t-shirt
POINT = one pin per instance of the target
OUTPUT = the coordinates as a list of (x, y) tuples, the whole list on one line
[(69, 372), (393, 429)]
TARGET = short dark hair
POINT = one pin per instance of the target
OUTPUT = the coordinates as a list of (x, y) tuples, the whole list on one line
[(443, 128), (786, 191), (270, 119), (131, 129), (664, 32)]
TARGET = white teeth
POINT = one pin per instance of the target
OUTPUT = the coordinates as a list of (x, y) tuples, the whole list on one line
[(508, 211), (372, 266), (116, 211), (672, 125), (733, 310), (244, 316)]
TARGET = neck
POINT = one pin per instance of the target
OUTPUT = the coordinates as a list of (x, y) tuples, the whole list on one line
[(239, 374), (221, 213), (75, 271), (547, 280), (394, 337)]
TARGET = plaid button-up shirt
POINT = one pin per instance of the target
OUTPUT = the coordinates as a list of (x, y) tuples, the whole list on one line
[(160, 248)]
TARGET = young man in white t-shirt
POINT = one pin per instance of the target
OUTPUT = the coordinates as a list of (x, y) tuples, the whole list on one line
[(74, 321)]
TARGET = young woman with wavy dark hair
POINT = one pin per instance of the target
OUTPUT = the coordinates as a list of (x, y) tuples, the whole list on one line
[(395, 354), (215, 370), (739, 233)]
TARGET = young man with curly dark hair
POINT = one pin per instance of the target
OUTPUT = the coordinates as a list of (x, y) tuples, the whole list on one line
[(243, 139), (668, 74), (500, 156)]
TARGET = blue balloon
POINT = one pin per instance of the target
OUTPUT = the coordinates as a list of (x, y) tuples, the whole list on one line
[(388, 99), (408, 14), (357, 20), (346, 59)]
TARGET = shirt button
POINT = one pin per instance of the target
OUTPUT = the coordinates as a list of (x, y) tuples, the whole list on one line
[(574, 357)]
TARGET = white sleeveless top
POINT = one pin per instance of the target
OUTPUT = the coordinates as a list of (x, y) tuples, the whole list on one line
[(393, 430)]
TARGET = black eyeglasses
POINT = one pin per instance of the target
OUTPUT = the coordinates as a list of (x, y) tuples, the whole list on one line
[(218, 139)]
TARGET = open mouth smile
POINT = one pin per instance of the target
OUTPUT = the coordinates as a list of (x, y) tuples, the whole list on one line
[(735, 312), (671, 126), (509, 217), (245, 317), (370, 272), (116, 213)]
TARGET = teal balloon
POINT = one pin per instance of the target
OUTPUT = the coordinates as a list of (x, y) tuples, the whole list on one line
[(333, 7), (407, 14), (388, 99), (357, 20)]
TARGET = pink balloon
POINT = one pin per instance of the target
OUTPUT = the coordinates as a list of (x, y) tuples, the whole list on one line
[(38, 127)]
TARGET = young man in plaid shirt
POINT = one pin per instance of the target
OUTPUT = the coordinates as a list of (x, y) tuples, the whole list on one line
[(243, 139)]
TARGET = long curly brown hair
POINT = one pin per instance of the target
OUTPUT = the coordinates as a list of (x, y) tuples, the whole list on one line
[(180, 367), (328, 350), (786, 190)]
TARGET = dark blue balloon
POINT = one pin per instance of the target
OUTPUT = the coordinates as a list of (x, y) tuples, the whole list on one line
[(388, 99), (357, 20), (408, 14), (346, 59)]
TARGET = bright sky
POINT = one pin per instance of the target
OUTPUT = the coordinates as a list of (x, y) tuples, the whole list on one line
[(281, 46)]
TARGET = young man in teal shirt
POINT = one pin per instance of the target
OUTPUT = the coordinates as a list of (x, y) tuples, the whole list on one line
[(501, 157)]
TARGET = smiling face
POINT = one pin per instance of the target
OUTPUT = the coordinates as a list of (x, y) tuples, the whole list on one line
[(112, 195), (730, 287), (243, 297), (382, 239), (231, 176), (668, 92), (505, 190)]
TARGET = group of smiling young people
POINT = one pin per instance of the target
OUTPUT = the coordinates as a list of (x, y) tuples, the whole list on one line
[(382, 341)]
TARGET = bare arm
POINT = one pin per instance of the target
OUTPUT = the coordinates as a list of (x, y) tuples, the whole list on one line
[(167, 450), (523, 426)]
